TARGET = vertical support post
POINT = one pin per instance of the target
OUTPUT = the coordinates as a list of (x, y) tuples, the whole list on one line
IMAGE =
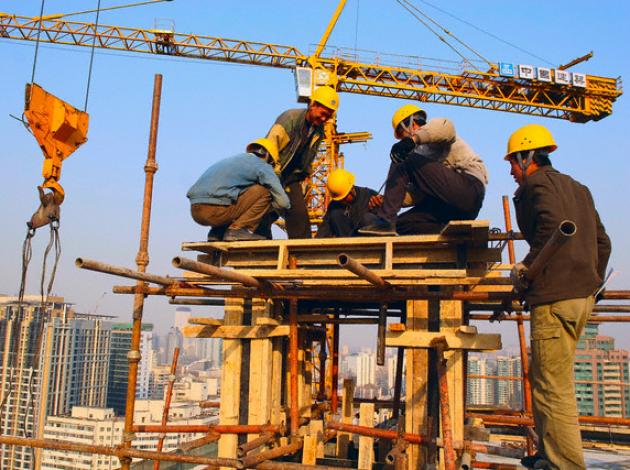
[(400, 356), (229, 411), (380, 340), (142, 260), (347, 407), (445, 412), (293, 367), (416, 397), (321, 393), (366, 444), (334, 366), (167, 404), (527, 392)]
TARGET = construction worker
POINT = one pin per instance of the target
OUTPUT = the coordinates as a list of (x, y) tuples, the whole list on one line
[(297, 134), (561, 297), (446, 178), (234, 194), (349, 207)]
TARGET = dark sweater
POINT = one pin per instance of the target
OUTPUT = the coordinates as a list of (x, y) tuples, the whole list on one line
[(545, 199), (355, 211)]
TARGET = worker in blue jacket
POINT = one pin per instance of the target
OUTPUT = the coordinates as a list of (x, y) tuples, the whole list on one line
[(234, 194)]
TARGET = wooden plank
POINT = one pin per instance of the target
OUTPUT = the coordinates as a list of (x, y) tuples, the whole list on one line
[(417, 365), (309, 450), (230, 380), (347, 413), (235, 331), (266, 321), (205, 321), (260, 370), (455, 340), (366, 444), (317, 430)]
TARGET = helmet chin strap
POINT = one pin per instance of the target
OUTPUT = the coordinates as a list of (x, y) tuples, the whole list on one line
[(524, 164)]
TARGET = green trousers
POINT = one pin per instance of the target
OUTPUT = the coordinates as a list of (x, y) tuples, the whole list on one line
[(555, 330)]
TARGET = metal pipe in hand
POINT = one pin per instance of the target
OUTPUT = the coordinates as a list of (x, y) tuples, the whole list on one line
[(566, 229)]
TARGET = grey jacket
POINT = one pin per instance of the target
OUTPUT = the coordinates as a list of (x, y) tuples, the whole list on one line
[(438, 141)]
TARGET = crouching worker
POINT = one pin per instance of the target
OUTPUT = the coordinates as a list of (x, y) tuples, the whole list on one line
[(234, 194), (350, 206), (431, 162)]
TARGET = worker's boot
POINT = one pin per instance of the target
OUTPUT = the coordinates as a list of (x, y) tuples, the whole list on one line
[(240, 235), (379, 227), (535, 461), (216, 233)]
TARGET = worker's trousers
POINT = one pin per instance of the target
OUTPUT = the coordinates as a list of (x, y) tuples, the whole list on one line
[(250, 207), (296, 217), (444, 195), (555, 331)]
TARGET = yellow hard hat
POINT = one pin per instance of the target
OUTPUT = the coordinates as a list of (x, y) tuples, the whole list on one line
[(339, 184), (403, 113), (530, 137), (268, 144), (326, 96)]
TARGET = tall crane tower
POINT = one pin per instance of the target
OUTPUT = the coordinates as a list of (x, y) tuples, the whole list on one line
[(543, 92)]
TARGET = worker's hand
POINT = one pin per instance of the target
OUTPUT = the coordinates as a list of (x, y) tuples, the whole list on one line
[(401, 149), (375, 201), (518, 276)]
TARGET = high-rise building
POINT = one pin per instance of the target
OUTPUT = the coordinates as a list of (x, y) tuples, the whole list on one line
[(52, 359), (508, 392), (366, 369), (174, 339), (601, 375), (479, 391), (119, 365)]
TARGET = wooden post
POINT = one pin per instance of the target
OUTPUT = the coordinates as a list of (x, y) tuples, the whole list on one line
[(366, 444), (231, 380), (347, 406), (416, 421), (317, 430)]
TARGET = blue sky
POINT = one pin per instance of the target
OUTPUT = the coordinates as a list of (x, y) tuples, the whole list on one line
[(211, 110)]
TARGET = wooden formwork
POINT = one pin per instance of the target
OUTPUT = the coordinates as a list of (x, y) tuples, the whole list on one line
[(420, 282)]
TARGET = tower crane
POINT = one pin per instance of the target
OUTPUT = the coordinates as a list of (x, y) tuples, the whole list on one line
[(553, 94)]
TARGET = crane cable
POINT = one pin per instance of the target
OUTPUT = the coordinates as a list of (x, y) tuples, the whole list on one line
[(411, 5), (89, 79), (487, 33)]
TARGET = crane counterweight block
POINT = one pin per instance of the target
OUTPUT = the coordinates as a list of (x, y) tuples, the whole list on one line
[(59, 128)]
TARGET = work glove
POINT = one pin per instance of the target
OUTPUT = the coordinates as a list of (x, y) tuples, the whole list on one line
[(518, 276), (401, 149), (375, 201)]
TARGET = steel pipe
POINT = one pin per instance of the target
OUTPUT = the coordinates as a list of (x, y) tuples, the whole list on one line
[(295, 466), (253, 460), (202, 441), (592, 318), (92, 265), (205, 428), (209, 404), (293, 367), (260, 441), (119, 451), (526, 421), (212, 302), (167, 403), (566, 229), (360, 270), (219, 273), (377, 432)]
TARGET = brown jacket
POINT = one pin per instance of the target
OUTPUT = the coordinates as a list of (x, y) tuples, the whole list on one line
[(545, 199)]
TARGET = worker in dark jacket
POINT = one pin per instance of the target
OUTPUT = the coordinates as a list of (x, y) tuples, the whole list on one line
[(561, 297), (437, 167), (234, 194), (297, 134), (350, 205)]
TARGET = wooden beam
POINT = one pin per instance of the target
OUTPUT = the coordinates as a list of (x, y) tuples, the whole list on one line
[(366, 444), (235, 331), (454, 339), (347, 413), (205, 321)]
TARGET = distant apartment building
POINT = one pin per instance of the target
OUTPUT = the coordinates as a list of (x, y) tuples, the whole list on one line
[(480, 391), (508, 392), (602, 376), (119, 365), (101, 426), (52, 359), (366, 369)]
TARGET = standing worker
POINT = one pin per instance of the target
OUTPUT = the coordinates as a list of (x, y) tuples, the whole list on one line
[(561, 297), (350, 205), (234, 194), (297, 133), (446, 178)]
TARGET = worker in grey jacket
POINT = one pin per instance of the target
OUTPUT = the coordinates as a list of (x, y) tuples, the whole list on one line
[(442, 173), (234, 194)]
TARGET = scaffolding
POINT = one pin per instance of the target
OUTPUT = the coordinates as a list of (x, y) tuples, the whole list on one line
[(285, 300)]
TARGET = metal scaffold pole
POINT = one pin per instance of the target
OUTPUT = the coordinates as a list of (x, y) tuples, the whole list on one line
[(142, 260)]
